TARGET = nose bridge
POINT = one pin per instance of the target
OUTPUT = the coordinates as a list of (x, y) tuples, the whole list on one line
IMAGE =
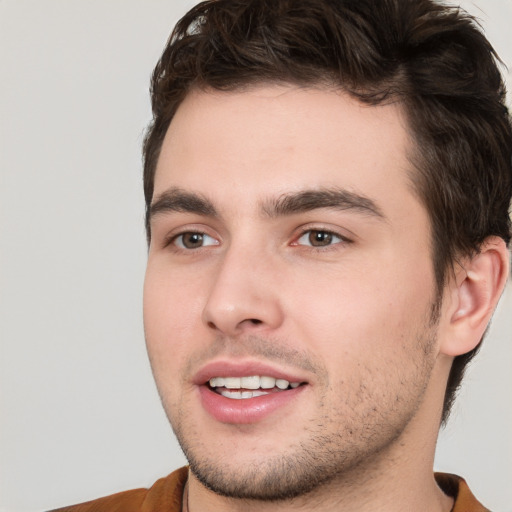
[(243, 296)]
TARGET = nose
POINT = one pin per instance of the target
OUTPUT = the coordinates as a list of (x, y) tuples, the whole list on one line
[(244, 295)]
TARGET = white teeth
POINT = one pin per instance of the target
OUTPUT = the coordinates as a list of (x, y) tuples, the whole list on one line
[(282, 384), (252, 382), (217, 382), (267, 382), (241, 395), (232, 382), (259, 393), (231, 394)]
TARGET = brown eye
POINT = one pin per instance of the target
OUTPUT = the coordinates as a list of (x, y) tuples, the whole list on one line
[(194, 240), (319, 238)]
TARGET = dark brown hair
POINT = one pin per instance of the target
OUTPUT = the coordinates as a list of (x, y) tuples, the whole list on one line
[(432, 58)]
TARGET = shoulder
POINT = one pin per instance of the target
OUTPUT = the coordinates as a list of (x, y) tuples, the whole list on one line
[(165, 494), (457, 488)]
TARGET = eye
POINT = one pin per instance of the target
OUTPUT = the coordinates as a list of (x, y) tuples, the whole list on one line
[(319, 238), (193, 240)]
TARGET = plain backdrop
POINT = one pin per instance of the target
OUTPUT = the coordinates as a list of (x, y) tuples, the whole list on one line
[(79, 413)]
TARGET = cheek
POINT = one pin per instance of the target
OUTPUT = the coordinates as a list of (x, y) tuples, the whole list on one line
[(172, 318), (372, 337), (364, 309)]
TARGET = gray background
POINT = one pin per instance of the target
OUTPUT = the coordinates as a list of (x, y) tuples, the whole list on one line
[(79, 413)]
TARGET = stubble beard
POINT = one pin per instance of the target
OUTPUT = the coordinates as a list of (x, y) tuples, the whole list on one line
[(343, 444), (305, 467)]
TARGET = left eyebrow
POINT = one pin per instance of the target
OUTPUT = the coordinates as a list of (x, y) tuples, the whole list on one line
[(308, 200)]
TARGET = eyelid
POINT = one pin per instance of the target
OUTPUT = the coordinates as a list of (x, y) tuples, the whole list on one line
[(170, 238), (323, 229), (204, 236)]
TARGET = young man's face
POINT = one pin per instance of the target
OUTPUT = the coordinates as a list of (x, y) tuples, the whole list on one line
[(289, 251)]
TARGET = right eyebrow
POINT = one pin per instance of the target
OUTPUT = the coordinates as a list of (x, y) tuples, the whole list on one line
[(177, 200)]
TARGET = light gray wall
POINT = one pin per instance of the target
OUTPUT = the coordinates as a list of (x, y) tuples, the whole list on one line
[(79, 414)]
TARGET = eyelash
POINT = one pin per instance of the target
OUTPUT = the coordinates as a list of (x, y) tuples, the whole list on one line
[(172, 240), (342, 239)]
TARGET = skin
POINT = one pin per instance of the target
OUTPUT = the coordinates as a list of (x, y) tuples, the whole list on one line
[(352, 318)]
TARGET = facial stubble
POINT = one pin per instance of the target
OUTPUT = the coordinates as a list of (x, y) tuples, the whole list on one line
[(341, 443)]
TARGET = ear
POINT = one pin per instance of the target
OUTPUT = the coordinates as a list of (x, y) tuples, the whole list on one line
[(473, 295)]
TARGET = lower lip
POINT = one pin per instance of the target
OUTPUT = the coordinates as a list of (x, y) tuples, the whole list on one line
[(248, 410)]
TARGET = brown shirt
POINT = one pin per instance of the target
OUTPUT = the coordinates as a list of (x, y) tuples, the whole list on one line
[(166, 495)]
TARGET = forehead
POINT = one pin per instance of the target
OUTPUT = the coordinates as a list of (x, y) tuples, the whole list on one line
[(243, 145)]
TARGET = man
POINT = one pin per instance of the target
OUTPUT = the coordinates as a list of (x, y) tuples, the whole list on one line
[(327, 187)]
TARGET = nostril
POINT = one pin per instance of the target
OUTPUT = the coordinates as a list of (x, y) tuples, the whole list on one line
[(253, 321), (227, 325)]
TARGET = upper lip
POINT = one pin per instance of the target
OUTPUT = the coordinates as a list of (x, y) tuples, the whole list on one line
[(243, 369)]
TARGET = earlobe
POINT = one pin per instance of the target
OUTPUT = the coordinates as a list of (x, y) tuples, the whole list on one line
[(475, 292)]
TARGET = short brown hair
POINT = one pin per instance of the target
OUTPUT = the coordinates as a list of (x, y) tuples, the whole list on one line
[(432, 58)]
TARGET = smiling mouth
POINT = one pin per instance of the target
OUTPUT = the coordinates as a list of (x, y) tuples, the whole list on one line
[(241, 388)]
